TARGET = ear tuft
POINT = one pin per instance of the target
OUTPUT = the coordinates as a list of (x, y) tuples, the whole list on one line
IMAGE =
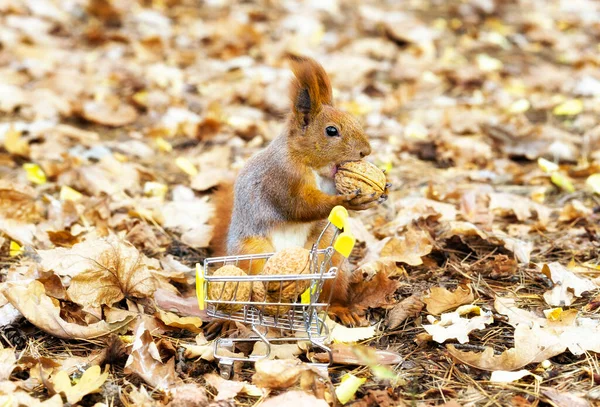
[(310, 89)]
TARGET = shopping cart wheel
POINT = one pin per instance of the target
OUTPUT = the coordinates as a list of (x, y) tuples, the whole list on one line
[(226, 368)]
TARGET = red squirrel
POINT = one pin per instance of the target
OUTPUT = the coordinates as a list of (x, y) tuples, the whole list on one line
[(284, 193)]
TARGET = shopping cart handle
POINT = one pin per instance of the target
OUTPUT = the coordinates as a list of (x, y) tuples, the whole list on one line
[(344, 244), (200, 286), (338, 216)]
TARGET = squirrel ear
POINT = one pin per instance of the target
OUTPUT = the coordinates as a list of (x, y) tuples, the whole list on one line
[(310, 89)]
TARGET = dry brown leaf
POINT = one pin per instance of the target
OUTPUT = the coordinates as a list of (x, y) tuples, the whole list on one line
[(145, 361), (566, 284), (188, 395), (192, 324), (441, 299), (7, 363), (507, 306), (408, 307), (90, 382), (564, 399), (189, 216), (408, 249), (278, 351), (114, 116), (374, 293), (530, 347), (415, 208), (354, 354), (39, 309), (523, 208), (277, 374), (295, 398), (103, 271), (574, 209), (228, 389)]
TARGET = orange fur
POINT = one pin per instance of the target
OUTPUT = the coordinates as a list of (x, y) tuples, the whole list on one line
[(223, 202)]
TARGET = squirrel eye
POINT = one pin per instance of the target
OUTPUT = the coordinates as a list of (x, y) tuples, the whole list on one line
[(331, 131)]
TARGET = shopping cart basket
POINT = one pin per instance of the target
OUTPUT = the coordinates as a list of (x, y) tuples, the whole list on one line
[(303, 317)]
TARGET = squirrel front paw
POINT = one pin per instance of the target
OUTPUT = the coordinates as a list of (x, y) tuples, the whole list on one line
[(357, 202)]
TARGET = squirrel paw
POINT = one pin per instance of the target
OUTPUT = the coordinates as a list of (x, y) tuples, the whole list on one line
[(346, 316), (214, 329)]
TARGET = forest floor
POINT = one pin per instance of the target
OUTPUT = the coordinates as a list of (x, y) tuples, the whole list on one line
[(477, 281)]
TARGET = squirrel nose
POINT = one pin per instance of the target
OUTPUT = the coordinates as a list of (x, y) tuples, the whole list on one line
[(365, 151)]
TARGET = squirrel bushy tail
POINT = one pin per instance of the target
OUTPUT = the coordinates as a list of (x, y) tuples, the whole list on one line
[(223, 202)]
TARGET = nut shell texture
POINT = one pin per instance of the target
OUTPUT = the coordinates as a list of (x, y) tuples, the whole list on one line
[(361, 175), (292, 261), (230, 290)]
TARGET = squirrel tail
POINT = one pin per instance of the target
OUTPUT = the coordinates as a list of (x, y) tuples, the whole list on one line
[(223, 202)]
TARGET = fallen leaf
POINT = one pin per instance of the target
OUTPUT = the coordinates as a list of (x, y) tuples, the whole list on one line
[(566, 285), (109, 115), (39, 309), (408, 249), (277, 374), (192, 324), (440, 299), (278, 351), (295, 398), (408, 307), (346, 390), (145, 361), (354, 354), (339, 333), (502, 376), (523, 208), (226, 389), (188, 395), (90, 382), (7, 363), (415, 208), (189, 216), (453, 325), (573, 210), (374, 293), (531, 346), (507, 306), (103, 271), (564, 399), (570, 107)]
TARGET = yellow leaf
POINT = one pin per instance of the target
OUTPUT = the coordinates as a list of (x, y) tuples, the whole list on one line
[(547, 166), (186, 166), (488, 64), (15, 249), (562, 181), (69, 194), (348, 387), (14, 144), (593, 182), (90, 382), (35, 173), (519, 106), (553, 314), (155, 189), (569, 108), (163, 145), (341, 334)]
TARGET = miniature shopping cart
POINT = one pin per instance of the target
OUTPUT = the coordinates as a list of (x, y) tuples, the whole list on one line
[(303, 317)]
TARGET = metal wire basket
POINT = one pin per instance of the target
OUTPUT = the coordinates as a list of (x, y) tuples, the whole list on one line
[(297, 317)]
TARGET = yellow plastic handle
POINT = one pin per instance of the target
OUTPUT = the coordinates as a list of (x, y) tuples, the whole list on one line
[(338, 216), (200, 286), (344, 244)]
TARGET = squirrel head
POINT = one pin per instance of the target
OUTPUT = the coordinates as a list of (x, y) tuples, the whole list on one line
[(321, 136)]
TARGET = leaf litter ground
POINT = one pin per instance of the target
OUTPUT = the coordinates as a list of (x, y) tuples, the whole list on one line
[(118, 122)]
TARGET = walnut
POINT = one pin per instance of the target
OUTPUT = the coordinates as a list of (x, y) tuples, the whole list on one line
[(361, 175), (293, 260), (230, 290)]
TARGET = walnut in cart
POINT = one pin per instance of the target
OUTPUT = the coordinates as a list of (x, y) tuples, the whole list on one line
[(361, 175), (290, 261), (230, 290)]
